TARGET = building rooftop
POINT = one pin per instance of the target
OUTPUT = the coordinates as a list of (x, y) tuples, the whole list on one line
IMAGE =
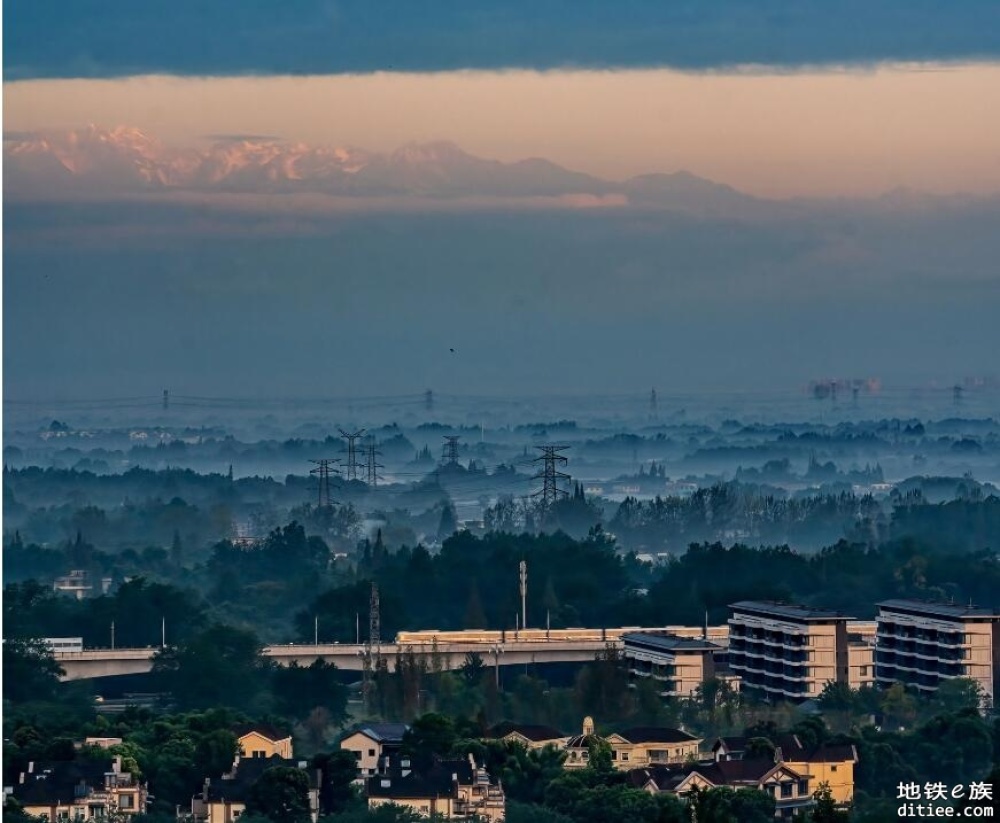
[(62, 782), (528, 731), (668, 642), (272, 733), (438, 780), (789, 611), (382, 732), (655, 734), (931, 609)]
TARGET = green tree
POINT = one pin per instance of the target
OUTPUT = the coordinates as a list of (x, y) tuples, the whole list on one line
[(221, 666), (281, 794), (958, 693), (298, 690), (430, 735), (30, 672), (825, 810), (339, 769)]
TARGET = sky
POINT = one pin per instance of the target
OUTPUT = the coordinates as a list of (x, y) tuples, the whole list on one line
[(860, 131), (882, 119)]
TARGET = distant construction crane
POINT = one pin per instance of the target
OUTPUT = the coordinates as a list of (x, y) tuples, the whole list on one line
[(450, 452), (324, 468), (550, 475), (352, 451)]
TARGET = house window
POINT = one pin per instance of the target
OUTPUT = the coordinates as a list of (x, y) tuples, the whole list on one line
[(625, 756), (614, 755), (371, 752), (833, 768), (864, 671), (786, 789), (125, 801), (803, 788)]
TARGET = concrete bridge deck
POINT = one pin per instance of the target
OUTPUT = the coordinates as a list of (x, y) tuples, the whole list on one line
[(446, 653)]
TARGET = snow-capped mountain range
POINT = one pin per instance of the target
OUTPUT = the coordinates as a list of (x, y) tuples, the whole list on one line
[(100, 160)]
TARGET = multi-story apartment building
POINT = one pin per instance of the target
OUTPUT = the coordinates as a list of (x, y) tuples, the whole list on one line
[(677, 665), (860, 653), (922, 644), (787, 652)]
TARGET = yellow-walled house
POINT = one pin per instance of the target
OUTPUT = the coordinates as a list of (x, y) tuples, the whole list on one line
[(528, 735), (260, 740), (453, 789), (633, 748), (372, 743), (79, 790)]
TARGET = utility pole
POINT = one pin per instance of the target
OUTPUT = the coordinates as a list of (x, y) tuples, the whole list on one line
[(371, 464), (316, 630), (523, 575), (550, 475), (163, 632), (451, 450), (324, 467), (352, 451), (112, 635)]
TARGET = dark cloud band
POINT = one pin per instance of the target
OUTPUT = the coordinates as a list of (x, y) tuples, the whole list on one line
[(109, 38)]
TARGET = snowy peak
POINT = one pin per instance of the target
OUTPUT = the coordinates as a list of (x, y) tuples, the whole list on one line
[(97, 160)]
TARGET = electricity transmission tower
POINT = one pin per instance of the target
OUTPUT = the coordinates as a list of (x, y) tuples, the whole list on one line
[(371, 463), (324, 468), (550, 475), (352, 451), (451, 450), (373, 647)]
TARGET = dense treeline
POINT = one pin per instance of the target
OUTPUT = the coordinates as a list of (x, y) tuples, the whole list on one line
[(282, 585)]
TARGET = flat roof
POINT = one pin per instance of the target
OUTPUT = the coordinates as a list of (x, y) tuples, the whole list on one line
[(932, 609), (790, 611), (668, 642)]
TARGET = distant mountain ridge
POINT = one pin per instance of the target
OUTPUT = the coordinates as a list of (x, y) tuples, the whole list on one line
[(126, 159), (97, 162)]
